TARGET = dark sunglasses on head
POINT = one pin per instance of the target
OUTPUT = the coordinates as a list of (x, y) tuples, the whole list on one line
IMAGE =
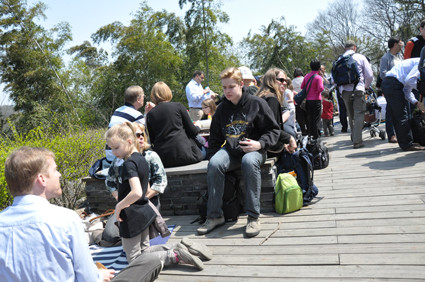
[(282, 80), (140, 134)]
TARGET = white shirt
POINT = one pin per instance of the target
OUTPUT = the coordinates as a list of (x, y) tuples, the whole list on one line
[(195, 94), (43, 242), (407, 73)]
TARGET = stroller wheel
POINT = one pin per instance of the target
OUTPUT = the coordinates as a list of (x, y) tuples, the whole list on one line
[(372, 133), (382, 135)]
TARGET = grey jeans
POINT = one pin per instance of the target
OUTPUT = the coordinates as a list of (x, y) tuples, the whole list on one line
[(144, 268), (222, 162), (138, 245), (356, 108)]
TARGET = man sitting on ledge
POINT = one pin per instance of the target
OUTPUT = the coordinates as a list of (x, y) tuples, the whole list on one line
[(242, 130)]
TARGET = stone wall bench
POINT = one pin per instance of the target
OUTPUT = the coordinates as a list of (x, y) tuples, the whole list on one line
[(185, 186)]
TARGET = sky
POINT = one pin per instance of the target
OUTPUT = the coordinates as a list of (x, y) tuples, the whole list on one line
[(87, 16)]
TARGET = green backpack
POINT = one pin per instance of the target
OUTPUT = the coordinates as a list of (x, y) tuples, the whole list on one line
[(288, 194)]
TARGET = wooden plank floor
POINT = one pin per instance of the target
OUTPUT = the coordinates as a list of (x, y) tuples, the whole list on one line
[(367, 224)]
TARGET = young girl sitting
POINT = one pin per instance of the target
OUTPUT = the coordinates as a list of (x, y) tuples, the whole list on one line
[(133, 211)]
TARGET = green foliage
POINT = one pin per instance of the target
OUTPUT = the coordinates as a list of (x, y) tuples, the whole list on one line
[(30, 64), (202, 36), (75, 152), (279, 46)]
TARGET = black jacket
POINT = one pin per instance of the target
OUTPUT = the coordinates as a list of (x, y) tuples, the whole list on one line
[(172, 134), (250, 118)]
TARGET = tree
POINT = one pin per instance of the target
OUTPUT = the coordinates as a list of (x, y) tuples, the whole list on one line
[(142, 55), (335, 25), (203, 35), (30, 64), (278, 46)]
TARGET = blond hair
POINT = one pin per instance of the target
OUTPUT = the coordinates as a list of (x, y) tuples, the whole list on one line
[(233, 73), (23, 166), (143, 129), (122, 133), (161, 93)]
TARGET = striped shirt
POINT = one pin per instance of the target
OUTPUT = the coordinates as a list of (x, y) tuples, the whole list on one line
[(126, 113)]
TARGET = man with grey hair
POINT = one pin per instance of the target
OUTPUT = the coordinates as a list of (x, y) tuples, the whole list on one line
[(353, 94)]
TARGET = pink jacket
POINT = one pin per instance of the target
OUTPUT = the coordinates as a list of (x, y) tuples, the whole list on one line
[(316, 86)]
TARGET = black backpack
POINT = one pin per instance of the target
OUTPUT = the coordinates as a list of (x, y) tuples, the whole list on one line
[(345, 71), (319, 151), (231, 205), (417, 124), (305, 174)]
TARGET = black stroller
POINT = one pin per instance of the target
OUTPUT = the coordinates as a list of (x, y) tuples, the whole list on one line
[(372, 123)]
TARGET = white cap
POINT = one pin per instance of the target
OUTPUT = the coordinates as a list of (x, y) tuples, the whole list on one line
[(246, 73)]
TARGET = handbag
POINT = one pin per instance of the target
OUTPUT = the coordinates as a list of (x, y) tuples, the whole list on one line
[(300, 97)]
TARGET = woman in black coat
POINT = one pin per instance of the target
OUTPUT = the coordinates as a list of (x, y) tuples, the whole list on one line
[(172, 133)]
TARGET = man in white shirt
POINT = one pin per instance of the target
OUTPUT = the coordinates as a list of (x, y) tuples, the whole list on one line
[(196, 94), (40, 241), (397, 87)]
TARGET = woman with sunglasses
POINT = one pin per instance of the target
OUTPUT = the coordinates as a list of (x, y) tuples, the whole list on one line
[(171, 131), (272, 90)]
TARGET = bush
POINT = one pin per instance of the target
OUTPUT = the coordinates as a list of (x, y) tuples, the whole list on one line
[(75, 151)]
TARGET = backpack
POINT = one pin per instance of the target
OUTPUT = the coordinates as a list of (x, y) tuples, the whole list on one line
[(345, 71), (300, 163), (319, 152), (305, 174), (231, 205), (288, 194), (417, 124)]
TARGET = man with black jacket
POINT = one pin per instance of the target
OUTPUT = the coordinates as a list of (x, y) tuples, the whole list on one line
[(415, 44), (242, 129)]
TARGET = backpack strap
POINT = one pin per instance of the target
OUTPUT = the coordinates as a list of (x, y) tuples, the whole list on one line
[(308, 84)]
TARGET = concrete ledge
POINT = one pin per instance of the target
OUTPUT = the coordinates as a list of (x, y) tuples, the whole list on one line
[(185, 186)]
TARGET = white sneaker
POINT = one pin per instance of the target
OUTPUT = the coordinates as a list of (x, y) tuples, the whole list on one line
[(210, 224), (253, 227)]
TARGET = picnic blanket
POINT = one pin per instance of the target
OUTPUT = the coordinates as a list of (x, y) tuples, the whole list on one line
[(114, 257)]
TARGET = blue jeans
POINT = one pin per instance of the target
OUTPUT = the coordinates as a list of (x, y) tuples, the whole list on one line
[(222, 162), (398, 108)]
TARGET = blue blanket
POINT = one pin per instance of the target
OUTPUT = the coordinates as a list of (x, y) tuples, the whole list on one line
[(114, 257)]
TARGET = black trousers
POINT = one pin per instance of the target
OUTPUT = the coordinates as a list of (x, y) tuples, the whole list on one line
[(314, 111), (342, 112)]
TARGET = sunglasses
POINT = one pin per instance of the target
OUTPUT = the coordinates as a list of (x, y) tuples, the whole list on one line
[(140, 134), (282, 80)]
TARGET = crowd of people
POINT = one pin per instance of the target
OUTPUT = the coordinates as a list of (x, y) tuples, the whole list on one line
[(256, 118)]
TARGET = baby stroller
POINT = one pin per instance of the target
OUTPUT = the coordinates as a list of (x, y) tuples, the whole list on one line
[(371, 123)]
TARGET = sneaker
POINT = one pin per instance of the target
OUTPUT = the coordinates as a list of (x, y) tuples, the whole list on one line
[(253, 227), (184, 257), (415, 148), (393, 139), (197, 249), (357, 146), (210, 224)]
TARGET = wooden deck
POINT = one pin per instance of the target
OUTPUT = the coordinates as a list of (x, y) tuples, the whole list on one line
[(368, 224)]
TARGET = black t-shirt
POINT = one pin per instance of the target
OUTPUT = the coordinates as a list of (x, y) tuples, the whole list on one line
[(134, 166), (139, 215)]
